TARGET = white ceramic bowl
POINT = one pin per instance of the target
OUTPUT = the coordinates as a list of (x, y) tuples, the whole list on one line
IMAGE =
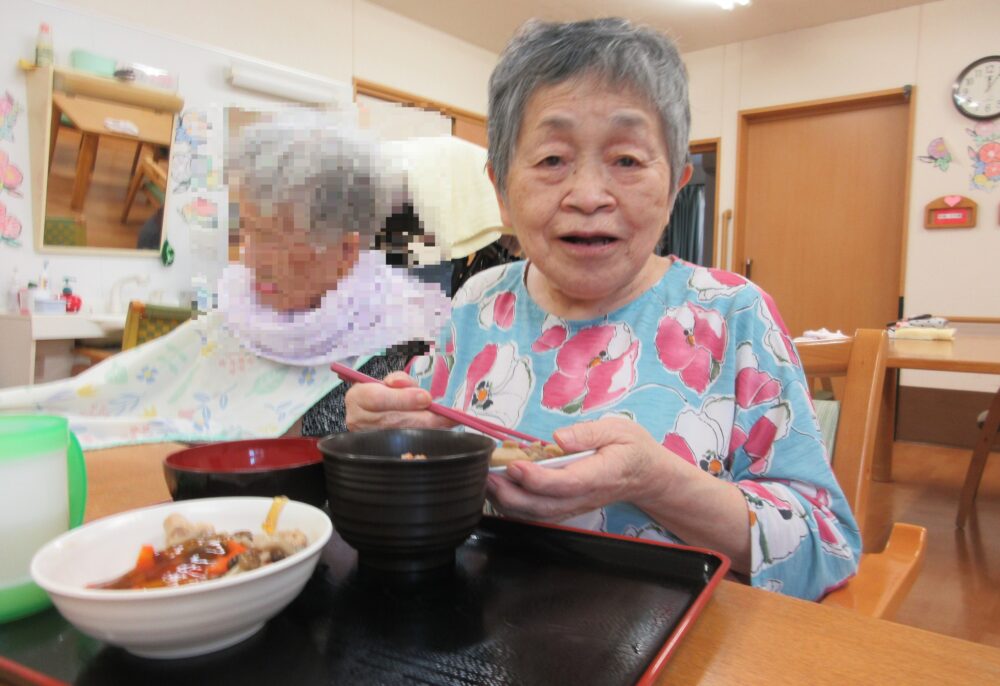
[(184, 620)]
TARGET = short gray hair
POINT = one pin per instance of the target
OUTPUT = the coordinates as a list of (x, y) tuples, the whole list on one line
[(326, 170), (616, 51)]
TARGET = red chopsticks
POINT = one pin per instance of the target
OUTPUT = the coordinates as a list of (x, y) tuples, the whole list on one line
[(501, 433)]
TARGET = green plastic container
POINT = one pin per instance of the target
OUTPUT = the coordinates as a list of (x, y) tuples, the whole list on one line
[(43, 492), (92, 63)]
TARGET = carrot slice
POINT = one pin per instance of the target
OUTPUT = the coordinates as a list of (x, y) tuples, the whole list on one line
[(221, 564), (146, 559)]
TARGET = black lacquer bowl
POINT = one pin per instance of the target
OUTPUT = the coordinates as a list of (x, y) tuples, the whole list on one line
[(406, 516), (262, 467)]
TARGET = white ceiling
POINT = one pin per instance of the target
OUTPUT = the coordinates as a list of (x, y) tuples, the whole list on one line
[(694, 24)]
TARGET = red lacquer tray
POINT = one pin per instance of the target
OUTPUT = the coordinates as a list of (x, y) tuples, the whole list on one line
[(525, 604)]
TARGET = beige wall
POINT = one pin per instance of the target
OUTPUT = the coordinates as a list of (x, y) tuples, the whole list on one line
[(319, 31), (947, 272), (338, 39), (394, 51)]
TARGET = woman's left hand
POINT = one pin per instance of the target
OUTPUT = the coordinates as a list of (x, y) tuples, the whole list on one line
[(627, 461)]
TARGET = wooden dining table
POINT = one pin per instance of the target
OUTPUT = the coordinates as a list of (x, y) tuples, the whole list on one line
[(744, 636), (975, 350), (90, 116)]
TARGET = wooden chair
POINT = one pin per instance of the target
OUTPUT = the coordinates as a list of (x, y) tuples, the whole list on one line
[(884, 578), (151, 177), (146, 322), (989, 429), (142, 323)]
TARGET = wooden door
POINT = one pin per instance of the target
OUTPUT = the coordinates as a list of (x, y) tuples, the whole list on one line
[(821, 208)]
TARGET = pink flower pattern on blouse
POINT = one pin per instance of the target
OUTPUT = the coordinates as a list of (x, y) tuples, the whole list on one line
[(553, 335), (701, 437), (713, 283), (759, 443), (691, 341), (498, 309), (753, 386), (593, 368), (497, 385)]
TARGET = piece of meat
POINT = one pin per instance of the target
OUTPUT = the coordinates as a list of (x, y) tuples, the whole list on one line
[(178, 529)]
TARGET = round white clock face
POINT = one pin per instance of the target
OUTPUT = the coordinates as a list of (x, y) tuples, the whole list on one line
[(976, 92)]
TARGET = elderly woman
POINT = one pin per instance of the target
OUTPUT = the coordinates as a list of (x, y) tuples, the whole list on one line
[(682, 378), (313, 196)]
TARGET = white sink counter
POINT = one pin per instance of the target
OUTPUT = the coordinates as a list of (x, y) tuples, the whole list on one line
[(39, 347), (52, 327)]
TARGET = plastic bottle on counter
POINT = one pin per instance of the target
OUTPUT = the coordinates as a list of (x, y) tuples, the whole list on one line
[(73, 302), (43, 280), (44, 56), (13, 289)]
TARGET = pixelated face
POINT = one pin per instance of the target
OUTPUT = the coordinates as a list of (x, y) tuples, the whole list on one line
[(292, 269), (588, 190)]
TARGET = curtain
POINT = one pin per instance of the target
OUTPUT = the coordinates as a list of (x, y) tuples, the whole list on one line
[(684, 236)]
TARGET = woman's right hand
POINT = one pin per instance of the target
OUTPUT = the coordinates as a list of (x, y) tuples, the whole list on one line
[(400, 403)]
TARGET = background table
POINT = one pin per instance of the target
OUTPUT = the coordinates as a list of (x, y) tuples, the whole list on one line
[(976, 353), (89, 116)]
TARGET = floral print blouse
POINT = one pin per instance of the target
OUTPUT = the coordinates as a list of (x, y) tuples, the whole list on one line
[(702, 360)]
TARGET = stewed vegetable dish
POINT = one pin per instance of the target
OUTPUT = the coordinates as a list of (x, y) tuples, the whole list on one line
[(196, 552)]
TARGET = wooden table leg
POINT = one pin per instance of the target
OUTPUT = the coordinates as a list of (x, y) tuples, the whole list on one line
[(84, 170), (982, 451), (882, 465), (54, 132)]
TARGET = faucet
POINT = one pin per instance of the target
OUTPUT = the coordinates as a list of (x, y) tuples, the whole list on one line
[(115, 305)]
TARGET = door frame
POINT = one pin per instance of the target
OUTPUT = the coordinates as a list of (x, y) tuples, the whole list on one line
[(905, 95), (714, 145), (389, 94)]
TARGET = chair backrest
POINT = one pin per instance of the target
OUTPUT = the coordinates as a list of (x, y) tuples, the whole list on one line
[(861, 360), (146, 322), (156, 176)]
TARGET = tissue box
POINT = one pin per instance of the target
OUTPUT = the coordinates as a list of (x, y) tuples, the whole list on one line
[(49, 306), (145, 75)]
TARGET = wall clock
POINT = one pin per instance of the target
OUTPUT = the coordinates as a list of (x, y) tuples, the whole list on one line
[(976, 91)]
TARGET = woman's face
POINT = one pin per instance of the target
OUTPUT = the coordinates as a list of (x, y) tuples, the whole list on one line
[(588, 193), (291, 270)]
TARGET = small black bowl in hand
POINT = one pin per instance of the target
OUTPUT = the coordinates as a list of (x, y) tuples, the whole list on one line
[(264, 467), (406, 515)]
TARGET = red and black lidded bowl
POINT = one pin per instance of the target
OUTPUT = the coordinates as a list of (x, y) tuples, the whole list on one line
[(266, 467)]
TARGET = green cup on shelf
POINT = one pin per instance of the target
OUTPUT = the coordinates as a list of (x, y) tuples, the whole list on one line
[(43, 493)]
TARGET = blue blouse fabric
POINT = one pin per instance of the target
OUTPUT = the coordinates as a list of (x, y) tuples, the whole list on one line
[(701, 360)]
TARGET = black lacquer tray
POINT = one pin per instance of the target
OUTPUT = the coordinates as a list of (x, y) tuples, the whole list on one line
[(525, 604)]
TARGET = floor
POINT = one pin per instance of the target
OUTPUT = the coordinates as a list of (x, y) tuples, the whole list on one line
[(108, 187), (958, 591)]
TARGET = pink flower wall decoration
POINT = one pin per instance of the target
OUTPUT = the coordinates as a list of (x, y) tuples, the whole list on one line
[(10, 228), (10, 176)]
